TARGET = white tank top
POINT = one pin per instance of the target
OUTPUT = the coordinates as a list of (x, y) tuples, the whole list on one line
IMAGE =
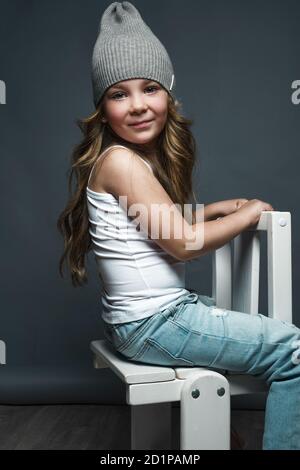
[(138, 277)]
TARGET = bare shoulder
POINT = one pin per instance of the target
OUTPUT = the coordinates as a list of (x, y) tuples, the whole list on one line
[(102, 168), (118, 167)]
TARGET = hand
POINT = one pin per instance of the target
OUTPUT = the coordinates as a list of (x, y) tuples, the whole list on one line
[(252, 210), (231, 205), (240, 203)]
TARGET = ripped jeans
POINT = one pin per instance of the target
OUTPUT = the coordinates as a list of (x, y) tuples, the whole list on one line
[(194, 332)]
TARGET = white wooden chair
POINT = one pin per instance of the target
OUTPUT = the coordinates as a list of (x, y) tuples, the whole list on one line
[(204, 394)]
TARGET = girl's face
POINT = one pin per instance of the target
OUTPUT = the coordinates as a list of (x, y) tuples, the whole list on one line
[(131, 101)]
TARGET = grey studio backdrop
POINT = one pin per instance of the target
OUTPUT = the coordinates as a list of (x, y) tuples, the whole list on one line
[(235, 63)]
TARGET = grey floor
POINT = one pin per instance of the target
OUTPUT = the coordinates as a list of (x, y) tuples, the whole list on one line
[(97, 427)]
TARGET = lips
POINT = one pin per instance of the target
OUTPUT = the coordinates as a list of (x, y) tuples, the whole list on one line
[(140, 122)]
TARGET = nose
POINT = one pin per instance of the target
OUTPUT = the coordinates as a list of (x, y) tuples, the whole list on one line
[(138, 103)]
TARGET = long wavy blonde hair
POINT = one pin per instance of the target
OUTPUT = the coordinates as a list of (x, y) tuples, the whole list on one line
[(173, 166)]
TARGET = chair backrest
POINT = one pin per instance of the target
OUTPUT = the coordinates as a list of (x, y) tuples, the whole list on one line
[(235, 285)]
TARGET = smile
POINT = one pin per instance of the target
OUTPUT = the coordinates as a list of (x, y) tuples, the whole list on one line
[(142, 125)]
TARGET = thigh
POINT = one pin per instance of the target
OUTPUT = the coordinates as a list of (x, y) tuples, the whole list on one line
[(132, 339), (201, 334), (236, 341), (162, 341), (197, 333), (194, 332), (189, 333), (221, 338)]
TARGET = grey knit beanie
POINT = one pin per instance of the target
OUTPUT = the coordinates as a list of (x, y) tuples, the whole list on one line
[(126, 48)]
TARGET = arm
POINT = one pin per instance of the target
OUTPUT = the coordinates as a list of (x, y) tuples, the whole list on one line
[(216, 233), (145, 200), (211, 211), (138, 191), (219, 209)]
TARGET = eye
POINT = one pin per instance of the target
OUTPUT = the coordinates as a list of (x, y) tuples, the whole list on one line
[(152, 88), (116, 95)]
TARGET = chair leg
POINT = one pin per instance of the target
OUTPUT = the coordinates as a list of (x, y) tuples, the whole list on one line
[(205, 412), (151, 426)]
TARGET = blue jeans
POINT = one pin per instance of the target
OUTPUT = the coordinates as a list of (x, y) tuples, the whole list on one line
[(194, 332)]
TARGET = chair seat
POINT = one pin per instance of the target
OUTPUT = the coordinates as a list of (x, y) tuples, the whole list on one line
[(130, 372), (137, 373)]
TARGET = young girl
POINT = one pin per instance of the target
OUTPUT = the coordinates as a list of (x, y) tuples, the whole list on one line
[(133, 167)]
